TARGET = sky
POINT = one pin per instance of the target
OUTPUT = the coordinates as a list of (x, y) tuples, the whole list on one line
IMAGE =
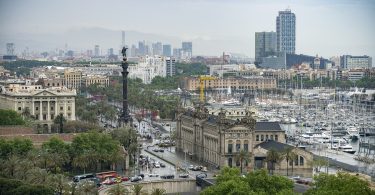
[(327, 28)]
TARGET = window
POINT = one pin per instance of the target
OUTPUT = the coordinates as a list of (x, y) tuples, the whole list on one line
[(266, 137), (301, 161), (261, 138), (276, 138), (271, 137), (246, 147), (36, 108), (19, 108), (61, 108), (230, 162), (230, 148), (51, 107), (238, 163), (68, 107), (296, 161), (238, 147), (257, 138)]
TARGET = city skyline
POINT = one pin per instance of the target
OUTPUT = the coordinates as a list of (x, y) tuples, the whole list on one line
[(324, 28)]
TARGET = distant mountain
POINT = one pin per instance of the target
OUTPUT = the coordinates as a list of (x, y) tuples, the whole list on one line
[(81, 39)]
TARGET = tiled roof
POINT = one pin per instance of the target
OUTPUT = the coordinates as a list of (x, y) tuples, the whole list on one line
[(267, 126), (270, 144)]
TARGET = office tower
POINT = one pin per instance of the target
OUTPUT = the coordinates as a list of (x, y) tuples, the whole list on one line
[(187, 48), (351, 62), (123, 39), (157, 48), (141, 48), (10, 49), (177, 53), (110, 52), (97, 51), (286, 32), (133, 51), (265, 45), (171, 66), (167, 50)]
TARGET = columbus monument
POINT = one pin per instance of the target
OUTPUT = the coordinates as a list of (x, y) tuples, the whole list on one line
[(125, 118)]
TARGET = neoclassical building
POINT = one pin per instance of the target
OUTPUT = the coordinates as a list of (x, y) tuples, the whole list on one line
[(216, 140), (43, 104)]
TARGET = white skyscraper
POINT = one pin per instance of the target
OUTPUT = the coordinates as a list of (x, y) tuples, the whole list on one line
[(286, 32)]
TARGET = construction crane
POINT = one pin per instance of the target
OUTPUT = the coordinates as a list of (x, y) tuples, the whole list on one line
[(203, 78)]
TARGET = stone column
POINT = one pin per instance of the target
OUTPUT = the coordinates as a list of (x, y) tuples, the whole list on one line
[(73, 109), (56, 111), (48, 113), (33, 108), (40, 111), (65, 109)]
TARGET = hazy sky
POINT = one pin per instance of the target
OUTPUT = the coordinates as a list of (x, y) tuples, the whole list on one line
[(326, 28)]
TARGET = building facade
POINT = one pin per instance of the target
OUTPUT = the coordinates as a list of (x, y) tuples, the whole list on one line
[(351, 62), (42, 104), (167, 50), (170, 66), (216, 140), (286, 32), (72, 79), (265, 45), (235, 83)]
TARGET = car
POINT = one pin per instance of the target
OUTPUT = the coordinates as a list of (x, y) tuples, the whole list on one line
[(191, 167), (157, 165), (135, 178), (109, 181), (153, 175), (125, 178), (141, 175), (204, 169), (197, 168), (155, 150), (183, 175), (169, 176), (162, 165), (161, 150)]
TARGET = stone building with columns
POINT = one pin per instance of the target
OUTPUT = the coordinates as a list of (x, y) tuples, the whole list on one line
[(217, 140), (42, 104)]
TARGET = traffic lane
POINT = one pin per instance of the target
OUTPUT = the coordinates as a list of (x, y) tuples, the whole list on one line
[(168, 169)]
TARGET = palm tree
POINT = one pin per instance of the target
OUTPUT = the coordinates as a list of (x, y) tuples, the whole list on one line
[(243, 156), (289, 155), (158, 191), (26, 112), (81, 161), (273, 157), (137, 189), (10, 165), (59, 183), (118, 190), (86, 188), (37, 176)]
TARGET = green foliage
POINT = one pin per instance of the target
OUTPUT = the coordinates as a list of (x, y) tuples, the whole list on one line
[(16, 146), (23, 67), (230, 181), (342, 183), (273, 157), (10, 117), (191, 69), (164, 82), (12, 186), (117, 190)]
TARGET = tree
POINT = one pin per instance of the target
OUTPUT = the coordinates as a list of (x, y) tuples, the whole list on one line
[(318, 163), (60, 120), (231, 182), (86, 187), (37, 176), (289, 155), (342, 183), (10, 117), (117, 190), (137, 189), (273, 157), (59, 183), (243, 156), (158, 191)]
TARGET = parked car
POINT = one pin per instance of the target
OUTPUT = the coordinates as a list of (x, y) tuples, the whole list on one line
[(161, 150), (169, 176), (157, 165), (184, 175), (141, 175), (155, 150), (136, 179), (153, 175), (162, 165), (109, 181), (191, 167), (125, 178)]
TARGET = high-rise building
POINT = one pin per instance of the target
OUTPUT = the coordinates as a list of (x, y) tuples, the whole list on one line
[(167, 50), (157, 48), (10, 49), (171, 66), (286, 32), (97, 50), (265, 45), (110, 52), (187, 48), (177, 53), (351, 62), (142, 48)]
